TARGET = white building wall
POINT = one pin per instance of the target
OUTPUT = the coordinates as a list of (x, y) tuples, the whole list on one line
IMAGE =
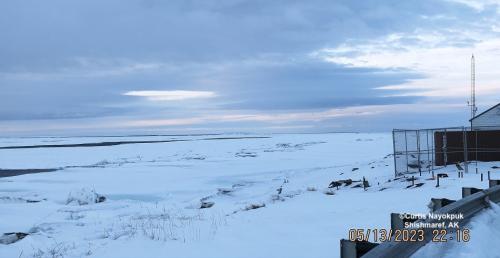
[(490, 118)]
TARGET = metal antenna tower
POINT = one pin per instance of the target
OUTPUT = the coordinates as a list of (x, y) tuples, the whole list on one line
[(472, 103)]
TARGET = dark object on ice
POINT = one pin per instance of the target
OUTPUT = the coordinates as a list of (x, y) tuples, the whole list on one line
[(33, 201), (277, 197), (495, 167), (224, 191), (338, 183), (414, 166), (100, 198), (442, 175), (354, 169), (415, 185), (459, 167), (205, 205), (329, 192), (335, 184), (17, 199), (412, 178), (365, 183), (9, 238), (382, 189), (246, 154), (372, 167), (279, 190), (254, 206), (347, 182)]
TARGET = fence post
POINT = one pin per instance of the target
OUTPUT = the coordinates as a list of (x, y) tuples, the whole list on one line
[(406, 152), (445, 148), (466, 150), (428, 150), (394, 153), (417, 133), (477, 146), (433, 156)]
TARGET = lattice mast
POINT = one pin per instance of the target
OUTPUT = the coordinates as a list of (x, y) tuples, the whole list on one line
[(472, 102)]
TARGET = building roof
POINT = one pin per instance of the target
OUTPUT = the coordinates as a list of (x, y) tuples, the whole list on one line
[(488, 110)]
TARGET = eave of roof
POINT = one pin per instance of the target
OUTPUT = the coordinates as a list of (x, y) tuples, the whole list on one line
[(488, 110)]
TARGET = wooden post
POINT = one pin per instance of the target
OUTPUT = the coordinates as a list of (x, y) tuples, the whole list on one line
[(350, 249), (494, 182), (438, 203), (466, 191), (481, 177), (437, 184), (398, 223)]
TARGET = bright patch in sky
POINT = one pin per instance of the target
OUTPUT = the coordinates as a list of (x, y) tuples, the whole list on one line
[(171, 95)]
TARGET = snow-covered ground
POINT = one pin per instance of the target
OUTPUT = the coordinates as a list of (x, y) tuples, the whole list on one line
[(269, 196)]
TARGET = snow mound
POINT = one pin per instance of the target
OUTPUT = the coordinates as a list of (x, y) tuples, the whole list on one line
[(84, 196)]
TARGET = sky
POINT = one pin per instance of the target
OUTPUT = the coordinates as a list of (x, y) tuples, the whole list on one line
[(87, 67)]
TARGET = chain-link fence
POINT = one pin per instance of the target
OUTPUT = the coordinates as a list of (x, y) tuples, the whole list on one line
[(417, 151)]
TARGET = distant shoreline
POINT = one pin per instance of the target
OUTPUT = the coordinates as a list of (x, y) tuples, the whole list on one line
[(18, 172), (106, 144)]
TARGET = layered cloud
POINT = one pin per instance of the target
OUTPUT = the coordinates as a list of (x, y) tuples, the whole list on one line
[(317, 65)]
